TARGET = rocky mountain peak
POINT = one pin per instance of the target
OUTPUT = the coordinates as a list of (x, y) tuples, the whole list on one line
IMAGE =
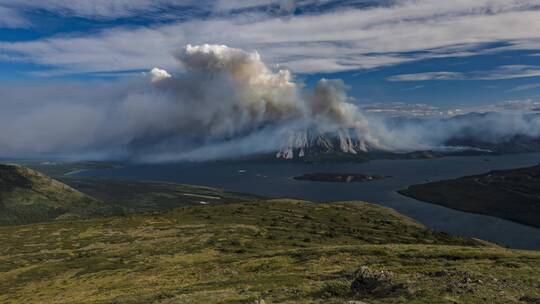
[(301, 143)]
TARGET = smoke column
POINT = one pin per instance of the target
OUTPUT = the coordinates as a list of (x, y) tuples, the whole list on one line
[(225, 102)]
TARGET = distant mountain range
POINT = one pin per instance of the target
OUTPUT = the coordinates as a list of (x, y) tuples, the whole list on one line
[(514, 144), (327, 147), (345, 145)]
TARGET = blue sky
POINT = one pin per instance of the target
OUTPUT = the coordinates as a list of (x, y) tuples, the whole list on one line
[(450, 54)]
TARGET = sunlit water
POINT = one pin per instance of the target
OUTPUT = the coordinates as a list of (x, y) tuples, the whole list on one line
[(276, 180)]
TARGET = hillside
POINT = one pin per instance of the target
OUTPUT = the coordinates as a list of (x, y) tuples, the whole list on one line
[(279, 251), (147, 196), (27, 196), (510, 194)]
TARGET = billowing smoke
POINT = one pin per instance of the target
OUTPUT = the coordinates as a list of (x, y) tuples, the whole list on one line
[(223, 102), (472, 131)]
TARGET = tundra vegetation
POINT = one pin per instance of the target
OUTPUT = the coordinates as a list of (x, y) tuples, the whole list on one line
[(257, 251)]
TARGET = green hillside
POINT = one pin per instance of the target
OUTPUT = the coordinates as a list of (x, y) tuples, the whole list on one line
[(276, 251), (147, 196), (27, 196), (509, 194)]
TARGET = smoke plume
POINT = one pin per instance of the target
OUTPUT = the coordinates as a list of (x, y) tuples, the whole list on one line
[(223, 102)]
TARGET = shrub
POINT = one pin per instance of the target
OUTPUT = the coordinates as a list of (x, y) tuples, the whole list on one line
[(336, 288)]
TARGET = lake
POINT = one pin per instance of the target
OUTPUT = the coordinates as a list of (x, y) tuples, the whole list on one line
[(276, 180)]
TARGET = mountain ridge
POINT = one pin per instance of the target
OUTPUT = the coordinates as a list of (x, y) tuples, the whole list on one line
[(28, 196), (346, 145)]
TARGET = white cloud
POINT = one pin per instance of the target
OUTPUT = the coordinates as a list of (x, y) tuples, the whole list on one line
[(499, 73), (155, 9), (421, 110), (10, 18), (525, 87), (227, 5), (427, 76), (418, 87), (509, 72), (335, 40), (93, 8), (518, 105), (401, 109), (157, 75), (515, 105)]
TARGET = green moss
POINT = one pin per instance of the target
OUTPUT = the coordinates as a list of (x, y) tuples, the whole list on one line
[(335, 289), (241, 252)]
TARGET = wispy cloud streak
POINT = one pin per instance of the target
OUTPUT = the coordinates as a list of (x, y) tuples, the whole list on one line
[(499, 73), (327, 41)]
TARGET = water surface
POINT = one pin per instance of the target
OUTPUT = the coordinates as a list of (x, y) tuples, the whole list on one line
[(276, 180)]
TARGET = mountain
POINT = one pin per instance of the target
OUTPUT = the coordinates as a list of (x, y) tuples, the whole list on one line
[(27, 196), (309, 145), (470, 137), (346, 146), (473, 133), (512, 144)]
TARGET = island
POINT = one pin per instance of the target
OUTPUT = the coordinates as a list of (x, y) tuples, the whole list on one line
[(509, 194), (339, 177)]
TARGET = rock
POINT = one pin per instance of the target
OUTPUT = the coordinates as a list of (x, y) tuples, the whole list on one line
[(367, 280), (530, 299), (301, 143), (261, 301)]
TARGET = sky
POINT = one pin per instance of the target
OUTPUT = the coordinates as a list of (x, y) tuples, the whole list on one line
[(447, 54)]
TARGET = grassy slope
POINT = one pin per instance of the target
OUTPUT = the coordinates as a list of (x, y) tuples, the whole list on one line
[(510, 194), (28, 196), (135, 196), (60, 168), (282, 251)]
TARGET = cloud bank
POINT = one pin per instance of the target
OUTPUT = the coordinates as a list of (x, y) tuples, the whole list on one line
[(340, 38), (226, 103)]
